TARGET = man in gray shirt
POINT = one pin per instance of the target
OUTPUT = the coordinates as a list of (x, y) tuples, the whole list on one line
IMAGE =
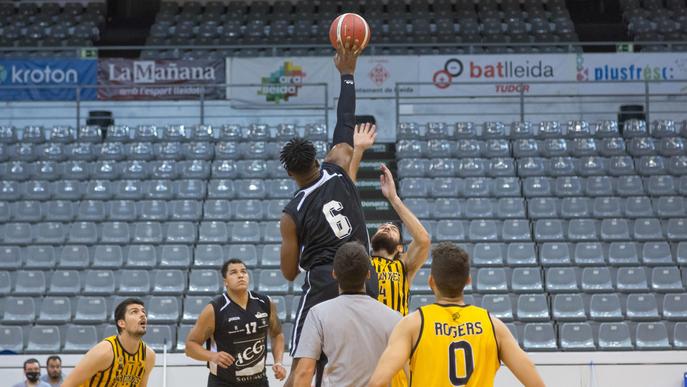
[(351, 330), (32, 374)]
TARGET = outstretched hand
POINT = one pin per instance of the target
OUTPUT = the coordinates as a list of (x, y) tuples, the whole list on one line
[(364, 136), (386, 181), (347, 56)]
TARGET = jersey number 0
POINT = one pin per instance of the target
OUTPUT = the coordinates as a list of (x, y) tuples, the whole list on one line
[(338, 222), (463, 346)]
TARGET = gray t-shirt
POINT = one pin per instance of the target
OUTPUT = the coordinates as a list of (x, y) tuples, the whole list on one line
[(352, 330), (46, 378), (40, 384)]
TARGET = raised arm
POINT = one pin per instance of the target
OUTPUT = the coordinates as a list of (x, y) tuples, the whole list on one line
[(397, 352), (342, 145), (363, 138), (97, 359), (289, 252), (514, 357), (277, 339), (418, 250), (199, 334)]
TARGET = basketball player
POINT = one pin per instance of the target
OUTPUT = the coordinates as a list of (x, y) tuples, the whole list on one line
[(450, 343), (237, 323), (326, 212), (121, 360)]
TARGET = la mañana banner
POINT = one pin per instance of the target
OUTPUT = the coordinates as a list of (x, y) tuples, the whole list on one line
[(124, 79)]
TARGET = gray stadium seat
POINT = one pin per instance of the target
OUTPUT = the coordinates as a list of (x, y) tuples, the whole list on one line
[(576, 337), (679, 335), (90, 310), (204, 282), (623, 254), (250, 189), (596, 279), (251, 209), (488, 254), (245, 252), (19, 310), (65, 282), (17, 233), (107, 257), (539, 337), (589, 254), (11, 339), (491, 280), (79, 338), (133, 282), (272, 281), (676, 229), (115, 232), (499, 306), (193, 305), (271, 231), (153, 210), (651, 336), (55, 310), (217, 210), (182, 333), (270, 255), (175, 256), (10, 257), (554, 254), (615, 229), (483, 230), (245, 232), (675, 307), (666, 279), (521, 254), (141, 256), (583, 230), (526, 280), (163, 309), (29, 283), (532, 307), (43, 339), (210, 255), (186, 210), (548, 230), (656, 254), (516, 230), (99, 282), (123, 210), (159, 336), (642, 306), (45, 233), (568, 307), (169, 282), (632, 279), (614, 336), (213, 232), (561, 279), (605, 307)]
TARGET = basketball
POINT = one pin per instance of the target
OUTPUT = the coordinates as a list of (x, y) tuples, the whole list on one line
[(349, 25)]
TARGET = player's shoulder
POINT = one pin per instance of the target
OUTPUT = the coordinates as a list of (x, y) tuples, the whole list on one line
[(262, 298)]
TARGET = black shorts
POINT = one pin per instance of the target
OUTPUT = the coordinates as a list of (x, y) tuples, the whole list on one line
[(320, 286), (214, 381)]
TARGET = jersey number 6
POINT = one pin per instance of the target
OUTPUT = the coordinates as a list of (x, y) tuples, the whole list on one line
[(465, 347), (338, 222)]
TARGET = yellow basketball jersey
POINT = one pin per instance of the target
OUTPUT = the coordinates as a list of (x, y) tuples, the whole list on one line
[(126, 369), (457, 347), (393, 283)]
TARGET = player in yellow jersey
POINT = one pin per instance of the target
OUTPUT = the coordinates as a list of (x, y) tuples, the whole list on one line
[(450, 343), (118, 361)]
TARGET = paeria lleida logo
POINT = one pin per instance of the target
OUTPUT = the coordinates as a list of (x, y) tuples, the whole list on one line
[(283, 83)]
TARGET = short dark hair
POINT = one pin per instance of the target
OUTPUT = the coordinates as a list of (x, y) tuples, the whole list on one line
[(30, 361), (53, 357), (450, 269), (120, 310), (297, 155), (351, 266), (231, 261)]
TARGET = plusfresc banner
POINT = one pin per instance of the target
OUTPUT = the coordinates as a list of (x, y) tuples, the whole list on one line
[(125, 79), (41, 80)]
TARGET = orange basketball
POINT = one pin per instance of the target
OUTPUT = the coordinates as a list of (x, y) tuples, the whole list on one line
[(349, 24)]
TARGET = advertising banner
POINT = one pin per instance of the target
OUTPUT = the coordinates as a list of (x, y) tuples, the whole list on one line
[(38, 80), (125, 79)]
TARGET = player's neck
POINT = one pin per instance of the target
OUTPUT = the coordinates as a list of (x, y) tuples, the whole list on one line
[(239, 297), (450, 300), (383, 254), (129, 342), (306, 180)]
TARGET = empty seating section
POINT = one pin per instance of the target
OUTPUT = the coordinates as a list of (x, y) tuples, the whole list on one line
[(148, 212), (49, 25), (577, 231), (651, 22), (489, 27)]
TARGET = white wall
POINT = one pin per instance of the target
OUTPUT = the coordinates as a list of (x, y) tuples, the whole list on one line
[(581, 369)]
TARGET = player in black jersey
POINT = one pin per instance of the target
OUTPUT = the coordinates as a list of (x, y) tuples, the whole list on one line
[(326, 212), (236, 324)]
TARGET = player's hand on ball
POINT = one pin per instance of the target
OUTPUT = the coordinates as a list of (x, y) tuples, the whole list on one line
[(364, 136), (279, 371), (386, 180), (347, 56), (222, 359)]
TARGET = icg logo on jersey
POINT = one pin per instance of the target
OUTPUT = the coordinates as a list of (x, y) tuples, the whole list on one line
[(283, 83)]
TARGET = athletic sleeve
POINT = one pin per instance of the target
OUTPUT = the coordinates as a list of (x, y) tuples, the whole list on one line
[(312, 337), (345, 112)]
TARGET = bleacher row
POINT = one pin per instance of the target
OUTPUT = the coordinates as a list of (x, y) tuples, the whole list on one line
[(88, 227)]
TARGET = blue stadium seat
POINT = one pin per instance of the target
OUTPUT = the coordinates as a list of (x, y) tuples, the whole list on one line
[(651, 336), (576, 337), (614, 336), (568, 307)]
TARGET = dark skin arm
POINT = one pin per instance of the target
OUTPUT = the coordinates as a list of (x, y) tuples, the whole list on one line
[(289, 248)]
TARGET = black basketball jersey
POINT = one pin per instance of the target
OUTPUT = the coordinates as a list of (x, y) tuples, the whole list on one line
[(327, 214), (242, 334)]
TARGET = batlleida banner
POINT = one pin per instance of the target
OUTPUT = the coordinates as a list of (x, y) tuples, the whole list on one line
[(24, 80), (125, 79)]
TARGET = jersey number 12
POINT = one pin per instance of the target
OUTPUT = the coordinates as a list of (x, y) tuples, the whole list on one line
[(337, 221)]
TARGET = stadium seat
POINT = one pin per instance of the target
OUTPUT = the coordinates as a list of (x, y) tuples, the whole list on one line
[(561, 280), (651, 336), (526, 280), (90, 310), (596, 279), (99, 282), (172, 282), (11, 338), (175, 256), (675, 307), (107, 257), (632, 279), (79, 338), (29, 283), (43, 339), (666, 279), (163, 309), (555, 254), (19, 310), (160, 336), (568, 307), (539, 337), (614, 336), (491, 280), (532, 307), (576, 337), (133, 282), (589, 254), (521, 254), (204, 282), (500, 306)]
